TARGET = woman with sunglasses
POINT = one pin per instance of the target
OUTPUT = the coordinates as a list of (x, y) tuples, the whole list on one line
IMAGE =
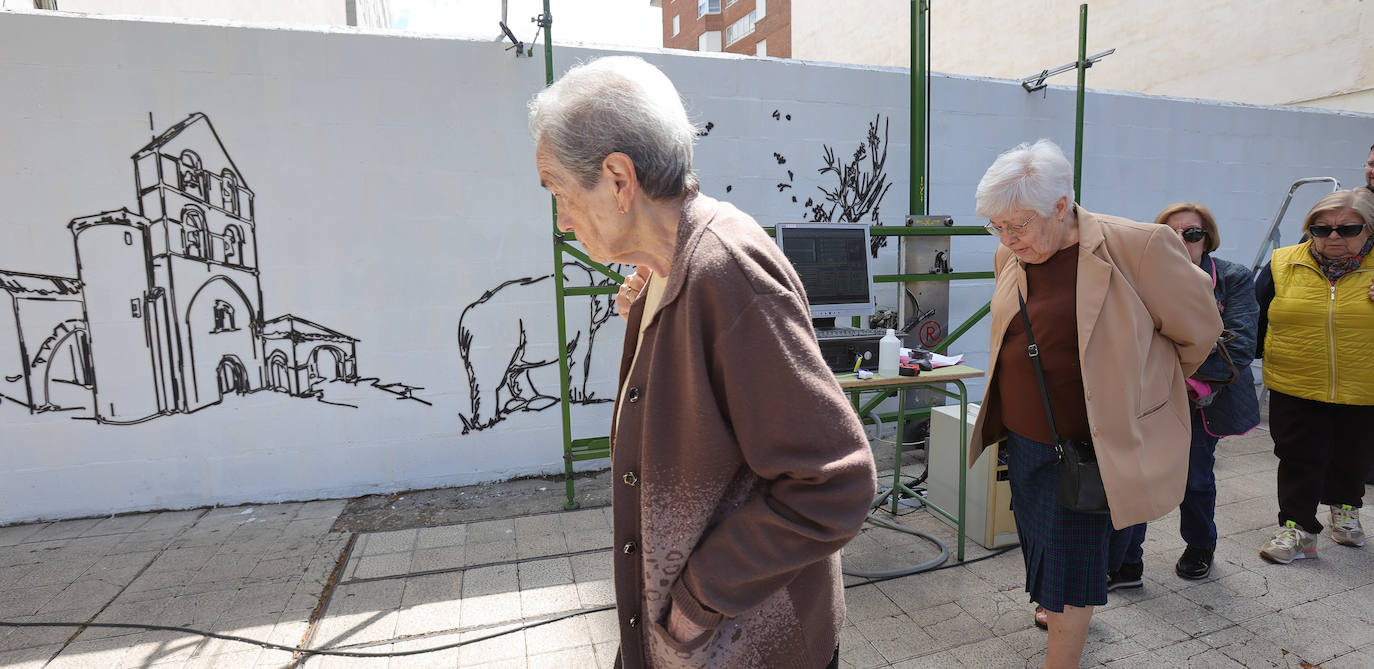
[(1223, 400), (1316, 332)]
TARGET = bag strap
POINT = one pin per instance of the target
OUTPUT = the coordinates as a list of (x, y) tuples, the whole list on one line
[(1034, 352)]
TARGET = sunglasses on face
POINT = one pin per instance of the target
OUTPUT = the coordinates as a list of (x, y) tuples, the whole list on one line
[(1346, 231), (1193, 235)]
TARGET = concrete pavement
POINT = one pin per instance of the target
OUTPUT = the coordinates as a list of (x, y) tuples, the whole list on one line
[(296, 575)]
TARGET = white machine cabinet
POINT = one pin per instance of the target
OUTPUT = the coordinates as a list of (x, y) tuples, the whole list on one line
[(990, 521)]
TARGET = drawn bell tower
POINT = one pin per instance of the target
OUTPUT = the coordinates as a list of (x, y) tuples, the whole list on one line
[(203, 266)]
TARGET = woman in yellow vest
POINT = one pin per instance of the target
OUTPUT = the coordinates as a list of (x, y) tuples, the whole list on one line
[(1317, 340)]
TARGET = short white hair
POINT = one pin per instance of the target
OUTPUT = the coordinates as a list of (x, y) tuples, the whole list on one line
[(1030, 176), (617, 104)]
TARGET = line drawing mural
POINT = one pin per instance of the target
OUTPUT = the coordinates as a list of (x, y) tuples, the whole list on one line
[(165, 314), (501, 384), (505, 377), (861, 183)]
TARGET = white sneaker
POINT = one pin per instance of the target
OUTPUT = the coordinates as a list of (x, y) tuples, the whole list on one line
[(1345, 526), (1290, 543)]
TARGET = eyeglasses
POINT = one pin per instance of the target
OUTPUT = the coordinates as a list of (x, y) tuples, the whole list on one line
[(1346, 231), (1009, 229), (1192, 235), (1370, 164)]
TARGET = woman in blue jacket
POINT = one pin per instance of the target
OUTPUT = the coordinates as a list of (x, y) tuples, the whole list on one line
[(1223, 399)]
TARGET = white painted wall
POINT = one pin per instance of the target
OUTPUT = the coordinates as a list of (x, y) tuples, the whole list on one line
[(1314, 53), (305, 12), (393, 184)]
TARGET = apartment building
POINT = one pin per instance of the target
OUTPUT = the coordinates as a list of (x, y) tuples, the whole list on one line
[(751, 27)]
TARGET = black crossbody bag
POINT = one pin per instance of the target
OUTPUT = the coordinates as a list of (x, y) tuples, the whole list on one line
[(1080, 481)]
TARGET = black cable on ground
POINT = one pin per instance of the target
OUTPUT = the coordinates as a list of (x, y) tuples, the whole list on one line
[(935, 564), (1000, 552), (347, 653), (308, 651), (902, 571)]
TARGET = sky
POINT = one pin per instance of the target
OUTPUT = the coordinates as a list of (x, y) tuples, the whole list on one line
[(631, 23)]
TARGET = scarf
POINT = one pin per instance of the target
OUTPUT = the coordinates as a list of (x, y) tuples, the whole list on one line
[(1335, 269)]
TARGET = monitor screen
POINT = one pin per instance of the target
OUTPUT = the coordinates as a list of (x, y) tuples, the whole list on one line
[(832, 261)]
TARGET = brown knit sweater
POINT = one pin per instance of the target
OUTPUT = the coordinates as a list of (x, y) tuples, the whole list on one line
[(740, 468)]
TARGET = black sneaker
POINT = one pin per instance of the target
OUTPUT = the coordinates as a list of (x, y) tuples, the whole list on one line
[(1128, 576), (1195, 564)]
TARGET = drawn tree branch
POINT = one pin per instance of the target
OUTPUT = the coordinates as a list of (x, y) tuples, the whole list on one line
[(861, 183)]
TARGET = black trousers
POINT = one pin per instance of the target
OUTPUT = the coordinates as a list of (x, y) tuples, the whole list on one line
[(1325, 452)]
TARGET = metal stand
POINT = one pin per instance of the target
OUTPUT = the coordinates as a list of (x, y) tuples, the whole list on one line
[(1271, 240)]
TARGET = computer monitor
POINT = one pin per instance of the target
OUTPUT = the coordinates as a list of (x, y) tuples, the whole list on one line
[(832, 261)]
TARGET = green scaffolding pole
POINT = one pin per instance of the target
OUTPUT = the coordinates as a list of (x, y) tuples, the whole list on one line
[(1078, 116), (919, 81), (574, 450)]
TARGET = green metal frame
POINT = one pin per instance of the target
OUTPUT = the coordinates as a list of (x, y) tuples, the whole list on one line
[(594, 448), (574, 450), (899, 488), (1083, 65)]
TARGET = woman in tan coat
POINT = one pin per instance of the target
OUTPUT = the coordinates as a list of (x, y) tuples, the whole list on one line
[(1121, 317)]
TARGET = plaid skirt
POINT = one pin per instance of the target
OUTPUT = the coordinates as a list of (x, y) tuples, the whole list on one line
[(1065, 551)]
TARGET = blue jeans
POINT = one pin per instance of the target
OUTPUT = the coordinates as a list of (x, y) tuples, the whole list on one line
[(1195, 519)]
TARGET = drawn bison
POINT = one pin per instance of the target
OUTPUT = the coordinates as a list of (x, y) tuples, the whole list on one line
[(504, 374)]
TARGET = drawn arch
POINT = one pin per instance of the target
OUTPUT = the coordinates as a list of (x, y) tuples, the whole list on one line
[(331, 366), (207, 345), (68, 379), (279, 372), (248, 304), (231, 376)]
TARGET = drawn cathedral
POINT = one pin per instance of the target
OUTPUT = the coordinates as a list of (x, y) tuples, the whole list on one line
[(165, 314)]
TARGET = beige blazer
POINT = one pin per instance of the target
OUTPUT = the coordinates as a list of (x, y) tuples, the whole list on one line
[(1146, 321)]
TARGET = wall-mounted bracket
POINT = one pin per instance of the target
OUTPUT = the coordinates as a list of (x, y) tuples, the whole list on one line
[(1036, 82)]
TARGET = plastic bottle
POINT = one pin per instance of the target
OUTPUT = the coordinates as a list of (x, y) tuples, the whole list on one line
[(888, 351)]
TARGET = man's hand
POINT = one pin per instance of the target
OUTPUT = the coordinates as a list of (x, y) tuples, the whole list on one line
[(634, 284), (682, 629)]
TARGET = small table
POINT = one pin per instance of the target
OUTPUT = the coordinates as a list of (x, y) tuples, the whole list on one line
[(954, 374)]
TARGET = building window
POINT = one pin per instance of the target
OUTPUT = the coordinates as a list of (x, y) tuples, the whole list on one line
[(224, 317), (193, 232), (742, 28), (190, 175), (761, 49), (705, 7), (229, 192), (709, 41), (677, 24), (233, 246), (761, 7)]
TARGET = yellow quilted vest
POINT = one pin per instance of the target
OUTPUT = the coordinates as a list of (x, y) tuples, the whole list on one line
[(1320, 342)]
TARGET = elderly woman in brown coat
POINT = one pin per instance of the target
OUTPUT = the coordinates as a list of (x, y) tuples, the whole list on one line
[(1121, 317), (740, 467)]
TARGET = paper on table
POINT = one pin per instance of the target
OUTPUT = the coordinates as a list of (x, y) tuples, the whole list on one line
[(937, 360)]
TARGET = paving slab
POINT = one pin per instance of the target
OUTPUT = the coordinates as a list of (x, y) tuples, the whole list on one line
[(527, 584)]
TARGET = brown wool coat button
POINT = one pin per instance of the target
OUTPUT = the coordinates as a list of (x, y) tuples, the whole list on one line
[(629, 548), (631, 479), (633, 394), (633, 621)]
